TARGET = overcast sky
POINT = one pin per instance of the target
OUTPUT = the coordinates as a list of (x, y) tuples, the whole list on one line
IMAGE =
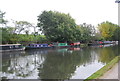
[(89, 11)]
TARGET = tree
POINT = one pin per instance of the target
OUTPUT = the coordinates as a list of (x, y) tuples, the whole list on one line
[(5, 35), (2, 20), (116, 35), (87, 32), (98, 37), (22, 27), (107, 30), (57, 26)]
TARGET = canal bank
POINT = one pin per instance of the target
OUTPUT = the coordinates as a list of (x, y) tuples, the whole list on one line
[(109, 71), (112, 73)]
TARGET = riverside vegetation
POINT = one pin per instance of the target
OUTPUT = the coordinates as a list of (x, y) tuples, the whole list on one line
[(55, 26)]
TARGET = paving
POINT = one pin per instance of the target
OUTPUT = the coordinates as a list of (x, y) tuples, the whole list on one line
[(113, 73)]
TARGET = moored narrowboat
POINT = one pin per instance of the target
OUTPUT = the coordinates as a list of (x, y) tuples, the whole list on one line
[(75, 44), (108, 42), (38, 46), (11, 47), (95, 43), (60, 45)]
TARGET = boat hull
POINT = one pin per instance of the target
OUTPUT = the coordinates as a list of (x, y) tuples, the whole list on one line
[(10, 50), (27, 48)]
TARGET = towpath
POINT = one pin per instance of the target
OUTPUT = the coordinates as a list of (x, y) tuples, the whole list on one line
[(113, 73)]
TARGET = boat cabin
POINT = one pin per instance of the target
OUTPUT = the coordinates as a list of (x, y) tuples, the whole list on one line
[(38, 45), (11, 47), (75, 43), (62, 44)]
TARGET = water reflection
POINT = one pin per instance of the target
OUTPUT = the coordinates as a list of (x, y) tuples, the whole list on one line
[(65, 63)]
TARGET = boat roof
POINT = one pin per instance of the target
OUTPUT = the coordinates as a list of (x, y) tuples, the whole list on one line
[(38, 44), (9, 44)]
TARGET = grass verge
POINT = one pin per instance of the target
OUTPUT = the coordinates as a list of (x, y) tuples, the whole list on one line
[(100, 72)]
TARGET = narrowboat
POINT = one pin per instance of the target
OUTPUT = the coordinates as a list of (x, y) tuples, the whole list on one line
[(11, 47), (38, 46), (60, 45), (75, 44), (108, 42), (95, 43)]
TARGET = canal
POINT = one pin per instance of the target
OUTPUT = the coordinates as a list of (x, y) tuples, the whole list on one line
[(63, 63)]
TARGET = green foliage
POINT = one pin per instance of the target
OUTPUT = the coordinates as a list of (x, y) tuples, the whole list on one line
[(98, 37), (116, 35), (5, 35), (41, 39), (87, 32), (107, 30), (2, 20), (27, 39), (57, 26), (9, 37)]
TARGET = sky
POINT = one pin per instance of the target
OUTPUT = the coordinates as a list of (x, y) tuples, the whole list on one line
[(83, 11)]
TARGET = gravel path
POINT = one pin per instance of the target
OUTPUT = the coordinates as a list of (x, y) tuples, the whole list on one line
[(112, 73)]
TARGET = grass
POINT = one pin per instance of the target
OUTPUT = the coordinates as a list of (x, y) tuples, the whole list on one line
[(100, 72)]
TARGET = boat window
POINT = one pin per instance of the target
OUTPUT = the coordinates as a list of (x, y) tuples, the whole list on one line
[(6, 47), (37, 45), (16, 46), (11, 46), (45, 45)]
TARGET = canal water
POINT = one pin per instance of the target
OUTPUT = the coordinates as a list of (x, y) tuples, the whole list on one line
[(62, 63)]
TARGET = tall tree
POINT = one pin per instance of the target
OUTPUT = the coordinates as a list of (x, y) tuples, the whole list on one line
[(2, 20), (107, 30), (57, 26), (5, 33), (22, 27), (116, 35), (87, 32)]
